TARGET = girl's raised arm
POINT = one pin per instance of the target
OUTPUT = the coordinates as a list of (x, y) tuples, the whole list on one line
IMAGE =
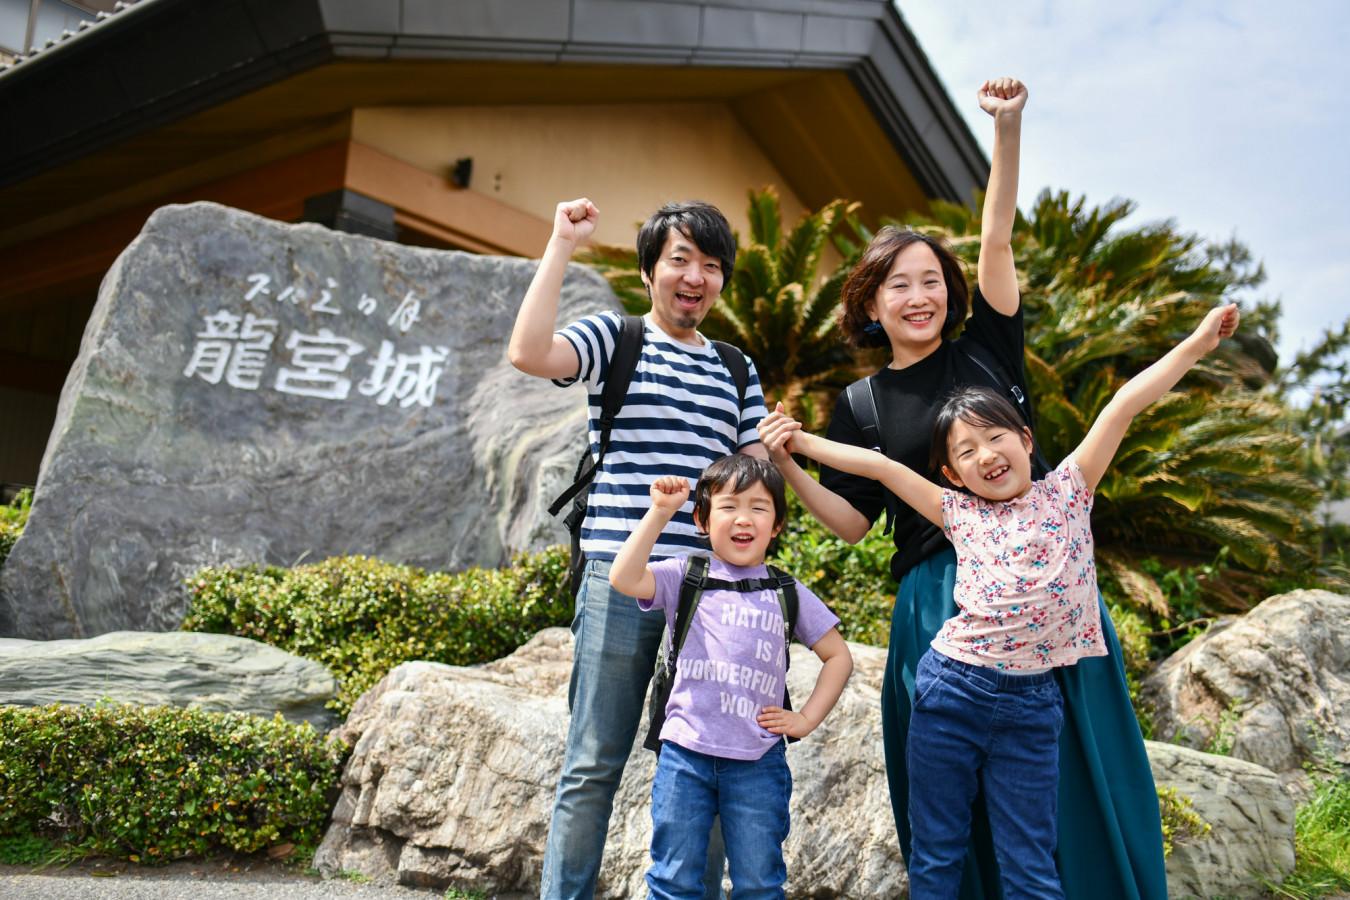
[(1002, 98), (1103, 438), (924, 497)]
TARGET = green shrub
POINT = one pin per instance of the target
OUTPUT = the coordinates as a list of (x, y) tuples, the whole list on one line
[(361, 617), (1180, 821), (12, 520), (853, 579), (151, 784)]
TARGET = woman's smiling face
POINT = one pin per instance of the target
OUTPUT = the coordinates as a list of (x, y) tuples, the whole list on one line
[(911, 303)]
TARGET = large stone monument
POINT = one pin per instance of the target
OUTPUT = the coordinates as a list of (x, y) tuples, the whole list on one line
[(254, 392)]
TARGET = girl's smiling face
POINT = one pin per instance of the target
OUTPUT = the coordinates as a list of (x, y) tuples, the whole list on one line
[(991, 461)]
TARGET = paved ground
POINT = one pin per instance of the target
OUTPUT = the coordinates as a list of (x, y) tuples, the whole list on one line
[(197, 880)]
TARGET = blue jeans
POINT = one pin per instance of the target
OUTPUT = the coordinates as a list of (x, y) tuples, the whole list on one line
[(978, 730), (613, 655), (751, 796)]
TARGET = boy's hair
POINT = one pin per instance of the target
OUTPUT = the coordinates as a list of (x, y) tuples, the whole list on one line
[(979, 406), (741, 471), (701, 222), (870, 272)]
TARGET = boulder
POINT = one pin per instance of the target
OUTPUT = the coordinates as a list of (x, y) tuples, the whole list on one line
[(215, 672), (1271, 687), (254, 392), (452, 774), (1251, 819)]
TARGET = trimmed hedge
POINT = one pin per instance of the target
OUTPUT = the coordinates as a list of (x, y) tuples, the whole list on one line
[(152, 784), (361, 617), (12, 520)]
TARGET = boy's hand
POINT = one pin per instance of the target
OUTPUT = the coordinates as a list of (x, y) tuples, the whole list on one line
[(575, 220), (1221, 322), (777, 720), (668, 494), (775, 433), (1003, 96)]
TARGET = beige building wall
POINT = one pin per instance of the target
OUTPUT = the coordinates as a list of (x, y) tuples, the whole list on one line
[(629, 159)]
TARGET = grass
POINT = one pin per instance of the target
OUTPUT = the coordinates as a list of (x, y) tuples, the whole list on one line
[(26, 850), (1321, 842)]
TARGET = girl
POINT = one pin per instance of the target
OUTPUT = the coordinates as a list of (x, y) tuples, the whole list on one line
[(987, 711)]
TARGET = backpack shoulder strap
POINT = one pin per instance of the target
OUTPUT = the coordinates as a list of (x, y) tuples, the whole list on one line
[(788, 603), (691, 589), (622, 365), (734, 360), (862, 402)]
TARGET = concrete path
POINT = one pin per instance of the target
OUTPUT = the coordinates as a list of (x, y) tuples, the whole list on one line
[(196, 880)]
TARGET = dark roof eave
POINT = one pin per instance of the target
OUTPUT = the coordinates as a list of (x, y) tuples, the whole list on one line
[(105, 85)]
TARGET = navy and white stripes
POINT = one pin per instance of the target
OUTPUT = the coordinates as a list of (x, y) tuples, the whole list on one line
[(680, 414)]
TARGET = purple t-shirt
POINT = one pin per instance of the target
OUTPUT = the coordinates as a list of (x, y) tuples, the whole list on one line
[(734, 660)]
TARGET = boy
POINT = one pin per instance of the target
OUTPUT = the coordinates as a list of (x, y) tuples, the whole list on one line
[(722, 740)]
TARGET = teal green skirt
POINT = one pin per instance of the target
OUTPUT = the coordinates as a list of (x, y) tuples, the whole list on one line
[(1110, 833)]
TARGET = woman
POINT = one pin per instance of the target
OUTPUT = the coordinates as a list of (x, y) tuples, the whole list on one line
[(908, 292)]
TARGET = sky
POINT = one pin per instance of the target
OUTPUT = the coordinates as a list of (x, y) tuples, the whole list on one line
[(1230, 118)]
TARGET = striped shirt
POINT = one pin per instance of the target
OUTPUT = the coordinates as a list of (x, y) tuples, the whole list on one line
[(679, 415)]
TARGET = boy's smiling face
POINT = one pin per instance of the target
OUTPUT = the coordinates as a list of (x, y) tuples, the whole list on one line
[(740, 525)]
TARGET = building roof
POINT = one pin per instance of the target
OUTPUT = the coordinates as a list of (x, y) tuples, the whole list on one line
[(153, 63)]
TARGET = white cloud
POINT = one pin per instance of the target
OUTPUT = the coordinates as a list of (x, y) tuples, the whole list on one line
[(1230, 118)]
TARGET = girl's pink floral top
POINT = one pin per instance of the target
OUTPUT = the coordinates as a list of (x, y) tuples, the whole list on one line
[(1026, 585)]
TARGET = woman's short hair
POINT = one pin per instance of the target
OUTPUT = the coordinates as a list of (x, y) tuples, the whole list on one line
[(982, 407), (870, 273)]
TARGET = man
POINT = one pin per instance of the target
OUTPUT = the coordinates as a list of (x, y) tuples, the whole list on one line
[(681, 412)]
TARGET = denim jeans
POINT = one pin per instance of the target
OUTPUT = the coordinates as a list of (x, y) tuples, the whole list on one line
[(750, 796), (976, 729), (614, 653)]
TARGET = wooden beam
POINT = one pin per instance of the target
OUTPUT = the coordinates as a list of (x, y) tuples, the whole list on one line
[(459, 216), (62, 263)]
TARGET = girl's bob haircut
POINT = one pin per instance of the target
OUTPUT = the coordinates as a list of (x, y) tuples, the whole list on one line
[(979, 406), (740, 471), (863, 283)]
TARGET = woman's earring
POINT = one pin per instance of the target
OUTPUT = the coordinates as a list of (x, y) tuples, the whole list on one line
[(873, 328)]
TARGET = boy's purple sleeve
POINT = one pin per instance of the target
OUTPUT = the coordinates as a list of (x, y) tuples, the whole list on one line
[(669, 573), (814, 618)]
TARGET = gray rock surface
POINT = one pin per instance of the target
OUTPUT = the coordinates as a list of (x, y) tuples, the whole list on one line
[(1251, 821), (452, 775), (1272, 686), (249, 391), (215, 672)]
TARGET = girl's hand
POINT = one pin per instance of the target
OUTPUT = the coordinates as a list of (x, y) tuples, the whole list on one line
[(777, 720), (669, 493), (1003, 96), (775, 433), (575, 220), (1221, 322)]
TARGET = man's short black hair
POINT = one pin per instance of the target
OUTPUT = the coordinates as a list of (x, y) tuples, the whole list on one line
[(701, 222), (741, 471)]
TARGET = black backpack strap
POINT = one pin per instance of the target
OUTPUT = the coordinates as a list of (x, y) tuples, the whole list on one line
[(862, 402), (695, 582), (622, 365), (982, 357), (786, 588), (691, 589), (734, 360)]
